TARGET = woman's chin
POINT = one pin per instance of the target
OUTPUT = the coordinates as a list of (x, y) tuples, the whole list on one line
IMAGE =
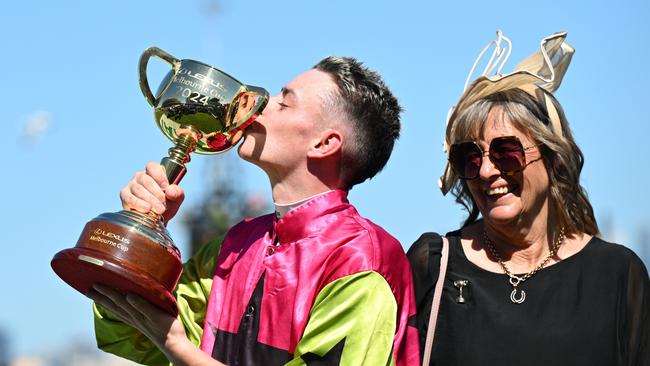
[(502, 215)]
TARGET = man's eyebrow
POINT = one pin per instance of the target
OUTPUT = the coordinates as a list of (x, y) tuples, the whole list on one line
[(288, 92)]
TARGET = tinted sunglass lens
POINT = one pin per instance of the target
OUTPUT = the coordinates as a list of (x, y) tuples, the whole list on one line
[(507, 154), (465, 159)]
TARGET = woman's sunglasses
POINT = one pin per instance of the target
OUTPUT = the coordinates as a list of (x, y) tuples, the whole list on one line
[(506, 153)]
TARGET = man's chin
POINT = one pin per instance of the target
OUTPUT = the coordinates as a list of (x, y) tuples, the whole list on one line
[(242, 152), (246, 153)]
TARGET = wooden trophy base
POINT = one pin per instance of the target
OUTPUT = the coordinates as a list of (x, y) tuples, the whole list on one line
[(126, 251)]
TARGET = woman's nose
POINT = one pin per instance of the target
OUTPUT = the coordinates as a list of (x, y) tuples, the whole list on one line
[(488, 170)]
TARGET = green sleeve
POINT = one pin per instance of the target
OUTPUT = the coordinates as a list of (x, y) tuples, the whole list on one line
[(191, 294), (352, 322)]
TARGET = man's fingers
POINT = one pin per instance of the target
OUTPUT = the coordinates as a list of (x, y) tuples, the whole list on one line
[(131, 202), (175, 197), (154, 322), (148, 194), (149, 185), (111, 294), (108, 304), (144, 193), (175, 194), (145, 308), (150, 191), (158, 174)]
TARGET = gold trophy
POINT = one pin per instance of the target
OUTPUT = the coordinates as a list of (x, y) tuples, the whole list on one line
[(198, 107)]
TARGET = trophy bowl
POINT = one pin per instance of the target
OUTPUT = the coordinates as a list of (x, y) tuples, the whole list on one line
[(200, 108)]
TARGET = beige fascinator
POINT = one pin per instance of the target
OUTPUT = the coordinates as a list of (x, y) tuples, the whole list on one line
[(542, 70)]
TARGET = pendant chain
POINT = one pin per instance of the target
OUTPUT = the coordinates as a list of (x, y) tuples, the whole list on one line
[(516, 280)]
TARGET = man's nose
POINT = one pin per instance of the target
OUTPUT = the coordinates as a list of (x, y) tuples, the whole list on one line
[(272, 104)]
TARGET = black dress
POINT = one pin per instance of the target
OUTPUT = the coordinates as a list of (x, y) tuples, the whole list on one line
[(589, 309)]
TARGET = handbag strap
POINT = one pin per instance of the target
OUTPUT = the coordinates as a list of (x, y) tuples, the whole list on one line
[(435, 304)]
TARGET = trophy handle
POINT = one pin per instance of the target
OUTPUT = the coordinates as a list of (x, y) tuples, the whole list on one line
[(248, 103), (263, 99), (144, 61)]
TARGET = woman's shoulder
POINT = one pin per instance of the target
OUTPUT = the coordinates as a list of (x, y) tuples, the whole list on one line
[(429, 246), (602, 247), (613, 254), (424, 256), (426, 242)]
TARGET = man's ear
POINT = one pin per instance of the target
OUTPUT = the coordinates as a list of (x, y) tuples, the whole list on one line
[(330, 142)]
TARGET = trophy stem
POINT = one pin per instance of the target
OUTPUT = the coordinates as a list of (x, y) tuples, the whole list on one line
[(180, 154)]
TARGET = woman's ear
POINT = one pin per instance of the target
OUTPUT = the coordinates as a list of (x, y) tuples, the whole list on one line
[(329, 143)]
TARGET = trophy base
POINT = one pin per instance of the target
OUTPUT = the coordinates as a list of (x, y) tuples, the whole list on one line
[(82, 268), (127, 251)]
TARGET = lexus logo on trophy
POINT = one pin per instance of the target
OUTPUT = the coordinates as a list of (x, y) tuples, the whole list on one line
[(198, 107)]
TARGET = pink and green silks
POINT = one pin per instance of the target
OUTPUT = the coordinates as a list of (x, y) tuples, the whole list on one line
[(322, 285)]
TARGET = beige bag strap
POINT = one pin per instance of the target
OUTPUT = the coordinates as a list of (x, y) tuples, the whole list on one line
[(435, 304)]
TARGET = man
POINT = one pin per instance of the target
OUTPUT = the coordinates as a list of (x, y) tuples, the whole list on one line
[(314, 283)]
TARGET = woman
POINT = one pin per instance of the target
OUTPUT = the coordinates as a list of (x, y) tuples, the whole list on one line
[(530, 283)]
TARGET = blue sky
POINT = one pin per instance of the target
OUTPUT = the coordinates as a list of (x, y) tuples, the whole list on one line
[(78, 127)]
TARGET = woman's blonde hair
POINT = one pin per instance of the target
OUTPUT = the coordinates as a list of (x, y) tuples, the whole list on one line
[(561, 155)]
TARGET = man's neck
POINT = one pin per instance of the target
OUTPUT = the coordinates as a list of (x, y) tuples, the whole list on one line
[(288, 191), (282, 209)]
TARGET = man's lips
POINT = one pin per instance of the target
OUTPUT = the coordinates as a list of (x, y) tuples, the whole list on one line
[(253, 127)]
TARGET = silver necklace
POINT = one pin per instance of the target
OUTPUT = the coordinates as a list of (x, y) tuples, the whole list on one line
[(517, 280)]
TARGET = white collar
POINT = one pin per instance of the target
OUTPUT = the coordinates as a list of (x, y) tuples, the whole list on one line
[(282, 209)]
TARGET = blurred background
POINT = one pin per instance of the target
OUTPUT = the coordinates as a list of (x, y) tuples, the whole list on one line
[(78, 127)]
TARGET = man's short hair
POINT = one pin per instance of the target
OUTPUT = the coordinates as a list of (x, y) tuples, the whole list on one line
[(372, 113)]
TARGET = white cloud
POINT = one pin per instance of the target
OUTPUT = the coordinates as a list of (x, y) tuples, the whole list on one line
[(36, 126)]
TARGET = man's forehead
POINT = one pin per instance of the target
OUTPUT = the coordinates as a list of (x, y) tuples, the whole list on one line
[(310, 83)]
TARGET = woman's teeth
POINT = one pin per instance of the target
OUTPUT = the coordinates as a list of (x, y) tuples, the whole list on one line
[(499, 190)]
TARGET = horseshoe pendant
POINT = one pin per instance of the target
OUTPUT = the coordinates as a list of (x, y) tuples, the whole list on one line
[(513, 296)]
